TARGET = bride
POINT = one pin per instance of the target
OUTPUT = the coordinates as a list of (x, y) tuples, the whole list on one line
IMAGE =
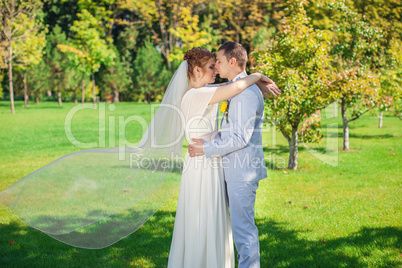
[(202, 234)]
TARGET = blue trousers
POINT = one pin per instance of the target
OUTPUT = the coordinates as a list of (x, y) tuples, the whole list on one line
[(241, 197)]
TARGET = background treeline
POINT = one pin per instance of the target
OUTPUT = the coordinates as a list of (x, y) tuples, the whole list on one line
[(127, 50), (117, 50), (318, 52)]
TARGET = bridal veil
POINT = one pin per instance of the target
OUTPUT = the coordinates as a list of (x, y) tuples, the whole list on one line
[(93, 198)]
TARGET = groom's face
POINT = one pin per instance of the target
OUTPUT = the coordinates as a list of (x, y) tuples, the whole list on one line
[(222, 64)]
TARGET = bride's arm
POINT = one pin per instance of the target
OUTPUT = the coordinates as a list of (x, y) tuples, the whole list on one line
[(216, 85), (225, 92)]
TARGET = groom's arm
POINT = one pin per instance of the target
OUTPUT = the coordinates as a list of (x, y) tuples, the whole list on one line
[(242, 117)]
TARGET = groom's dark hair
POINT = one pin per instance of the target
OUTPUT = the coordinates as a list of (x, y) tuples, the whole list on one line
[(235, 50)]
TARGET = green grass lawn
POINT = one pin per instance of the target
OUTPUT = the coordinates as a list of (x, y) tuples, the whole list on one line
[(340, 214)]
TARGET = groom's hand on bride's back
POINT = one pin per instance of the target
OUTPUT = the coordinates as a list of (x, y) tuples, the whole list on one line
[(196, 148), (267, 86)]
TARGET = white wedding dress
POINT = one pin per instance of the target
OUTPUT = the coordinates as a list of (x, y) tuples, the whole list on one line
[(202, 236)]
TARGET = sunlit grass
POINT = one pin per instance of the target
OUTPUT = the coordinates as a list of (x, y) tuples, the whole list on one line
[(347, 215)]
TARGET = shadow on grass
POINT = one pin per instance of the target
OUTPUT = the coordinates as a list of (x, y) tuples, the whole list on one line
[(276, 158), (339, 126), (150, 246), (367, 137), (283, 149), (32, 248), (31, 106), (282, 248), (45, 107)]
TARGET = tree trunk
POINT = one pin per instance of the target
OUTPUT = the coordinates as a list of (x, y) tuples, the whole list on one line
[(380, 121), (93, 89), (164, 33), (37, 99), (59, 94), (75, 96), (293, 149), (10, 79), (83, 84), (83, 91), (25, 90), (345, 127), (335, 110), (115, 95)]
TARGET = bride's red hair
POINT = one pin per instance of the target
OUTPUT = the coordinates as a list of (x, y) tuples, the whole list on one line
[(197, 57)]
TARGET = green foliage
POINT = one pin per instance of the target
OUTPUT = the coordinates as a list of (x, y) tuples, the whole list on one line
[(299, 63), (263, 38), (87, 51), (145, 10), (113, 80), (189, 34), (127, 47), (391, 80), (61, 13), (241, 20), (88, 39), (22, 29), (150, 75), (30, 50), (39, 79), (88, 91), (355, 41), (384, 14), (357, 55), (1, 80), (56, 60), (73, 84), (363, 34)]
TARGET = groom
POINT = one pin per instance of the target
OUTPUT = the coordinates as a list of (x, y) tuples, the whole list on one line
[(240, 146)]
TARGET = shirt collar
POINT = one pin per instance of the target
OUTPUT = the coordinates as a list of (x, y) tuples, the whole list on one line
[(240, 75)]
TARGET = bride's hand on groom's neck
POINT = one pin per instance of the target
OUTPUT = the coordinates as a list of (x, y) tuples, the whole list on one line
[(267, 86)]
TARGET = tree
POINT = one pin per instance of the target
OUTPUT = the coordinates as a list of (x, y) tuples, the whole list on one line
[(39, 79), (151, 76), (33, 48), (21, 36), (72, 84), (357, 54), (1, 80), (383, 14), (189, 34), (113, 80), (57, 61), (60, 13), (299, 63), (89, 49), (386, 15), (77, 60), (391, 81), (126, 46), (240, 20)]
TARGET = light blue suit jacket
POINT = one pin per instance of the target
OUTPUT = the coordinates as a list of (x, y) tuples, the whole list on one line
[(240, 145)]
